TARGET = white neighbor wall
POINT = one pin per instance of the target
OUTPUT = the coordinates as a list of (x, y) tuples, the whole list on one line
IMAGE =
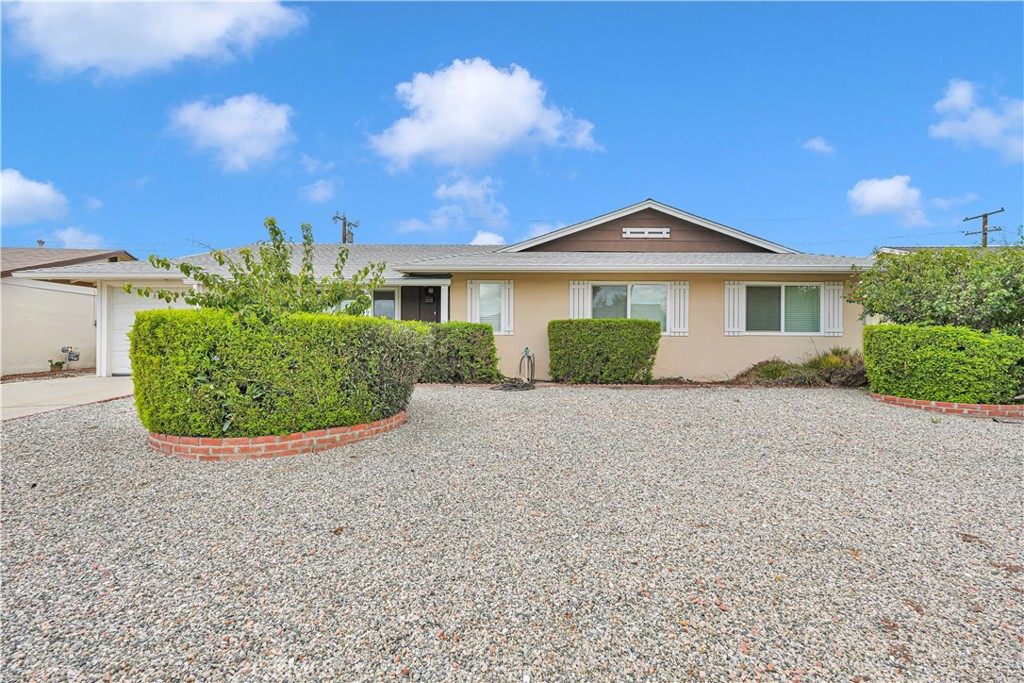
[(38, 318)]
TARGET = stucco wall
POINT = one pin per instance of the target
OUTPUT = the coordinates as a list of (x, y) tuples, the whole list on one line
[(705, 355), (37, 321)]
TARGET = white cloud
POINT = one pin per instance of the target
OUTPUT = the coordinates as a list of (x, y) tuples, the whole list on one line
[(243, 131), (320, 191), (76, 238), (143, 181), (92, 204), (485, 237), (471, 111), (950, 202), (968, 123), (893, 195), (468, 203), (315, 165), (26, 200), (126, 38), (819, 145), (538, 229)]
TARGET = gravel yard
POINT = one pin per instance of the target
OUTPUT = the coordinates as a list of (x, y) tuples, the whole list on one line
[(552, 535)]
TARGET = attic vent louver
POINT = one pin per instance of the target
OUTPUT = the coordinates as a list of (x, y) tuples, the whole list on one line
[(646, 233)]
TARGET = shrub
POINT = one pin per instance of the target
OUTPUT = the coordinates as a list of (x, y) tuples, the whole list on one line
[(838, 366), (461, 352), (210, 373), (978, 288), (271, 282), (603, 351), (954, 364)]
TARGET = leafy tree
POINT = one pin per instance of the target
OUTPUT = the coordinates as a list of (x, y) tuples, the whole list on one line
[(263, 286), (978, 288)]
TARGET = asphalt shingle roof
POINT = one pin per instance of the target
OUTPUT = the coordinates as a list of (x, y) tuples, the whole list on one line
[(324, 256), (670, 261)]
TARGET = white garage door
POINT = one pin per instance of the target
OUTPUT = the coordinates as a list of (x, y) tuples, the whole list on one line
[(123, 307)]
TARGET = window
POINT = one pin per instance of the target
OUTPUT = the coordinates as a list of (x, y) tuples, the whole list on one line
[(385, 303), (491, 302), (784, 308), (664, 302)]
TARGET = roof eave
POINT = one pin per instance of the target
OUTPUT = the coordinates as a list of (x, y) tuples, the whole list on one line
[(655, 268)]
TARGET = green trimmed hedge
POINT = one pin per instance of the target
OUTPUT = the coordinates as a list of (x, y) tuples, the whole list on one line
[(955, 364), (206, 372), (589, 351), (461, 353)]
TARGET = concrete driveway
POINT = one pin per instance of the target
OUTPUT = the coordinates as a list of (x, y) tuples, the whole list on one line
[(44, 395)]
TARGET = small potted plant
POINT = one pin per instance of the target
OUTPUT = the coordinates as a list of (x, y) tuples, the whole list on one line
[(56, 365)]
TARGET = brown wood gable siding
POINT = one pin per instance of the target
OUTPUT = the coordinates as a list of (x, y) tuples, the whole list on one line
[(685, 236)]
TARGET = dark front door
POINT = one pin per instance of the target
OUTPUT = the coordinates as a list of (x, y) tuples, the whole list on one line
[(421, 303)]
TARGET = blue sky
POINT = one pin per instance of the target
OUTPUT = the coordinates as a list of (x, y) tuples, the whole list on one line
[(830, 128)]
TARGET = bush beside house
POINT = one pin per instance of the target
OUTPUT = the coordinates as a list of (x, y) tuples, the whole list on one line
[(603, 351), (210, 373), (953, 364), (461, 352)]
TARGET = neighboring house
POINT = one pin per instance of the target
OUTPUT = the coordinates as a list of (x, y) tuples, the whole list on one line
[(39, 318), (725, 299)]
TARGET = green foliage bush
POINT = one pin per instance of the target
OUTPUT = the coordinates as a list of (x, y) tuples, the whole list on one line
[(461, 352), (590, 351), (838, 366), (978, 288), (212, 373), (953, 364), (271, 281)]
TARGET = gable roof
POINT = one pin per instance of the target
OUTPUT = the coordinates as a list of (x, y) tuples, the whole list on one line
[(13, 259), (657, 206)]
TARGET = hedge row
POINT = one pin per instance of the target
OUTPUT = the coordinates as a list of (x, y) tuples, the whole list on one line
[(592, 351), (954, 364), (206, 373), (461, 353)]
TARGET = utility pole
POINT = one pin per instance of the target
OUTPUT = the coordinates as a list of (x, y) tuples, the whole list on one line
[(984, 226), (347, 226)]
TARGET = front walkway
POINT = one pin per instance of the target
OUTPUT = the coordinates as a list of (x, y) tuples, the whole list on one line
[(44, 395)]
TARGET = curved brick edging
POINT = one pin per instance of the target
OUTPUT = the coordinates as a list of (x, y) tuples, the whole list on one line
[(967, 409), (244, 448)]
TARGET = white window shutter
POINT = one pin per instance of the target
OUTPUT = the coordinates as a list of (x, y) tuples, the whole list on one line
[(579, 299), (832, 310), (735, 309), (679, 309), (509, 295), (472, 301)]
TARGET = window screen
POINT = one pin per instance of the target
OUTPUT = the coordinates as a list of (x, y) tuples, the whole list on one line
[(803, 308), (764, 309)]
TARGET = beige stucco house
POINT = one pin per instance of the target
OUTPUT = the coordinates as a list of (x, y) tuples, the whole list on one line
[(725, 298), (38, 318)]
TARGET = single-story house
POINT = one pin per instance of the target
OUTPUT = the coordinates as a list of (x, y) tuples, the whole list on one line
[(41, 317), (725, 298)]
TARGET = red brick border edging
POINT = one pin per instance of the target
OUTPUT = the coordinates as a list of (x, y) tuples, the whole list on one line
[(244, 448), (967, 409)]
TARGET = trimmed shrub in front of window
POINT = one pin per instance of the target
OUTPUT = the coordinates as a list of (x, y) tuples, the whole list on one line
[(210, 373), (954, 364), (603, 351), (461, 352)]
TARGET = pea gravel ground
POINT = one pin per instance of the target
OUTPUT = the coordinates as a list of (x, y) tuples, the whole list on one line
[(553, 535)]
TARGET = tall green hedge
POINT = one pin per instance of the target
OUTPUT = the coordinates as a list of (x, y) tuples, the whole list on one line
[(589, 351), (206, 372), (955, 364), (461, 352)]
